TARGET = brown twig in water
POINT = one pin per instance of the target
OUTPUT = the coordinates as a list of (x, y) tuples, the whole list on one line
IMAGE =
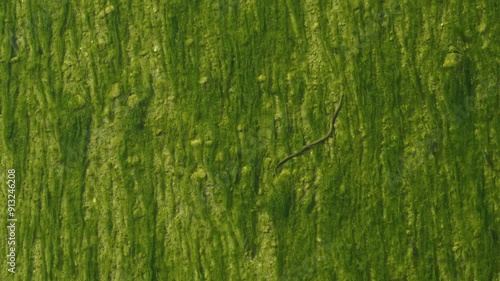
[(309, 146)]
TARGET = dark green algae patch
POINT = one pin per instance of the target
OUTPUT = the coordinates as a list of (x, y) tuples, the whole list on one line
[(145, 136)]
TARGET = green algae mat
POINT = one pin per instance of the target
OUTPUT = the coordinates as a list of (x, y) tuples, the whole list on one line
[(140, 140)]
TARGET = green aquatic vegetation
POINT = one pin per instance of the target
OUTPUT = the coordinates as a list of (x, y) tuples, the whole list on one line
[(145, 137)]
